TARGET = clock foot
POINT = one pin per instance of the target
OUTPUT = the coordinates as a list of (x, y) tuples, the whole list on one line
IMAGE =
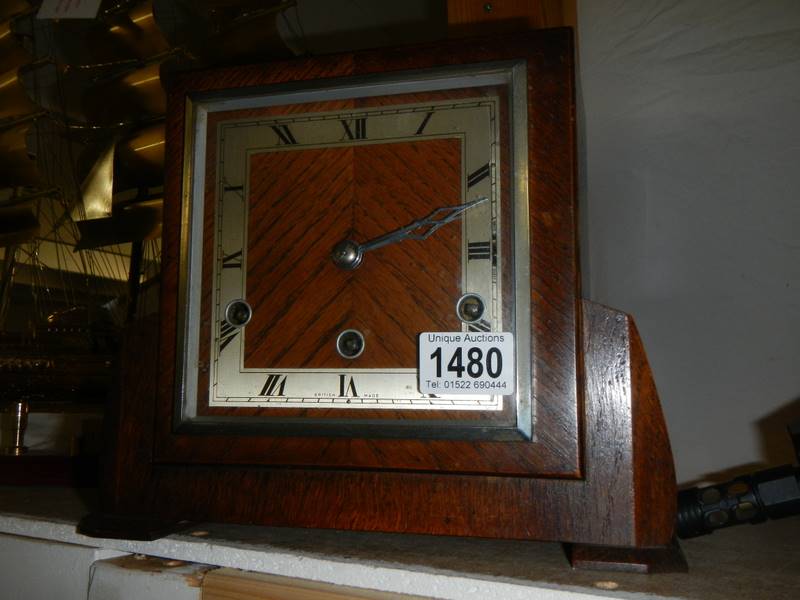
[(664, 559), (128, 527)]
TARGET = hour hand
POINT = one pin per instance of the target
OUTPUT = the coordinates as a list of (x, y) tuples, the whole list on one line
[(348, 254)]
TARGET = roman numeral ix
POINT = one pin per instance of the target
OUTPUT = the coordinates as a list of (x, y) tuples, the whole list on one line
[(232, 261)]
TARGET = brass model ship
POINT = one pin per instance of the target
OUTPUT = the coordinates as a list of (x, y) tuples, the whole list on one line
[(81, 172)]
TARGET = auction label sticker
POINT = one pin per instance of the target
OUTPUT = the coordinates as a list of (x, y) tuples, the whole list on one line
[(466, 363)]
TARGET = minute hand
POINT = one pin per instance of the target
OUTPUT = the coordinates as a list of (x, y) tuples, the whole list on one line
[(348, 254)]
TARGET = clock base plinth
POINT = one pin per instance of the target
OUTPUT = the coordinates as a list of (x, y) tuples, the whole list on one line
[(626, 496), (664, 559)]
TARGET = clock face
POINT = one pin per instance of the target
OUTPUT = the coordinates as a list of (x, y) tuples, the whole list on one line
[(288, 189), (274, 324)]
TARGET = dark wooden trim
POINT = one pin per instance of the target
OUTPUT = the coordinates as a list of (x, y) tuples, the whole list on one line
[(664, 559), (654, 472)]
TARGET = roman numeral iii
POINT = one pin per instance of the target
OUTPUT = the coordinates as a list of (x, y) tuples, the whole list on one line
[(479, 250)]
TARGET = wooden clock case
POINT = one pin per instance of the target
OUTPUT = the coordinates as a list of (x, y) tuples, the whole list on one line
[(598, 471)]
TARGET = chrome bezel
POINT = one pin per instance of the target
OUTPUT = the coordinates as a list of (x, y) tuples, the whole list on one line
[(339, 338), (197, 108), (230, 307)]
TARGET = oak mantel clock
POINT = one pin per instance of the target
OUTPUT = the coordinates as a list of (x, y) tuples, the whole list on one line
[(326, 218)]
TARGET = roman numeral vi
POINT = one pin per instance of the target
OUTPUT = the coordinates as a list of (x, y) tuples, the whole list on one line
[(347, 387)]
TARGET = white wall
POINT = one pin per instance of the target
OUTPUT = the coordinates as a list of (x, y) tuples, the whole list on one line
[(691, 208), (35, 569)]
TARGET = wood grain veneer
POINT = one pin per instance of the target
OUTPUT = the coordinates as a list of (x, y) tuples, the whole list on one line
[(302, 301)]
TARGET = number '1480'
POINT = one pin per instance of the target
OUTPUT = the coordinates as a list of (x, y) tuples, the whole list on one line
[(476, 362)]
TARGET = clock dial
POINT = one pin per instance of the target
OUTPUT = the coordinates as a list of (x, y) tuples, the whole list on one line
[(288, 189), (281, 336)]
